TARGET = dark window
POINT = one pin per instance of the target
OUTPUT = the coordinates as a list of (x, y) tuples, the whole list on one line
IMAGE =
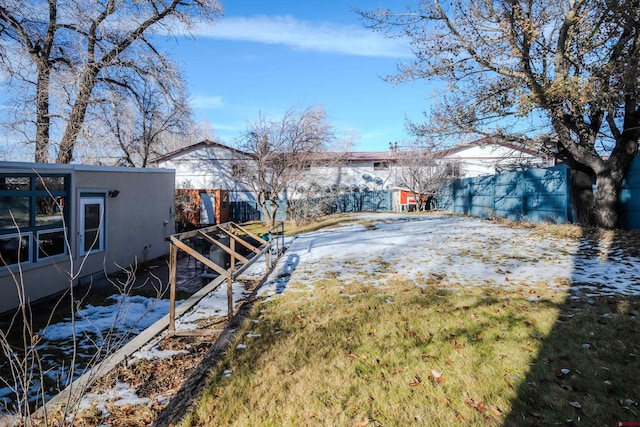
[(50, 183), (49, 211), (51, 243), (380, 166), (453, 170), (237, 170), (14, 211), (32, 217), (15, 183), (15, 248)]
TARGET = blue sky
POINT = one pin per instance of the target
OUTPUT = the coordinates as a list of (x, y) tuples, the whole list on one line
[(270, 56)]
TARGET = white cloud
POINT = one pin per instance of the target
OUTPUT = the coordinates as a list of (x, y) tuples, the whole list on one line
[(305, 35), (207, 102)]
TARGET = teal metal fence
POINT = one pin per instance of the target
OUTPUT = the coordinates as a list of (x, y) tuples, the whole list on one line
[(363, 201), (630, 197), (534, 194)]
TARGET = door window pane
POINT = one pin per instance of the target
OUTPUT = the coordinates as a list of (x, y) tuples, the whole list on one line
[(92, 216)]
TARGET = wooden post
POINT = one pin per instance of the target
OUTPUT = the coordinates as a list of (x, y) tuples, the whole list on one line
[(230, 296), (233, 257), (173, 269)]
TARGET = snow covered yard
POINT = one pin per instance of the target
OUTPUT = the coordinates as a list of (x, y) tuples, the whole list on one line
[(458, 251)]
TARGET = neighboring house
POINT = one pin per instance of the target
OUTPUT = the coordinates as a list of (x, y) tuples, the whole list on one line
[(206, 165), (488, 156), (210, 165), (61, 225)]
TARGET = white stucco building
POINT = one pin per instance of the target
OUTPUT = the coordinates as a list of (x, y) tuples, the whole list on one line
[(209, 164)]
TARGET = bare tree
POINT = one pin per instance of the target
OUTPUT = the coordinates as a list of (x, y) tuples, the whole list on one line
[(279, 151), (420, 169), (139, 125), (571, 66), (64, 56)]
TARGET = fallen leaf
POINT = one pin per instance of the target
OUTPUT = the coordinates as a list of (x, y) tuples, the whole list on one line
[(480, 407), (470, 402), (496, 410), (436, 374), (455, 344), (428, 356), (440, 380), (447, 401), (416, 381), (459, 417), (363, 423), (449, 362), (576, 405)]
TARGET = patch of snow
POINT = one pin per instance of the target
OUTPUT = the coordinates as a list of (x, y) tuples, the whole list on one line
[(450, 250), (122, 394)]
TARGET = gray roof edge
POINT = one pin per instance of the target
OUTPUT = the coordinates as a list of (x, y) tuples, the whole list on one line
[(56, 167)]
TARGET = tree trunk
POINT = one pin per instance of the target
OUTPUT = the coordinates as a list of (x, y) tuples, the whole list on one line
[(582, 197), (43, 121), (77, 116), (272, 210), (607, 206)]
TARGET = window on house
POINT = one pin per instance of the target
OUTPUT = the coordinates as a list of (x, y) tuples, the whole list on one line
[(453, 170), (237, 170), (32, 217), (15, 248), (51, 243), (380, 166)]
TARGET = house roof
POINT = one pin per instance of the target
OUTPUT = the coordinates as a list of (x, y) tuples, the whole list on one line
[(488, 140), (187, 149), (359, 156)]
